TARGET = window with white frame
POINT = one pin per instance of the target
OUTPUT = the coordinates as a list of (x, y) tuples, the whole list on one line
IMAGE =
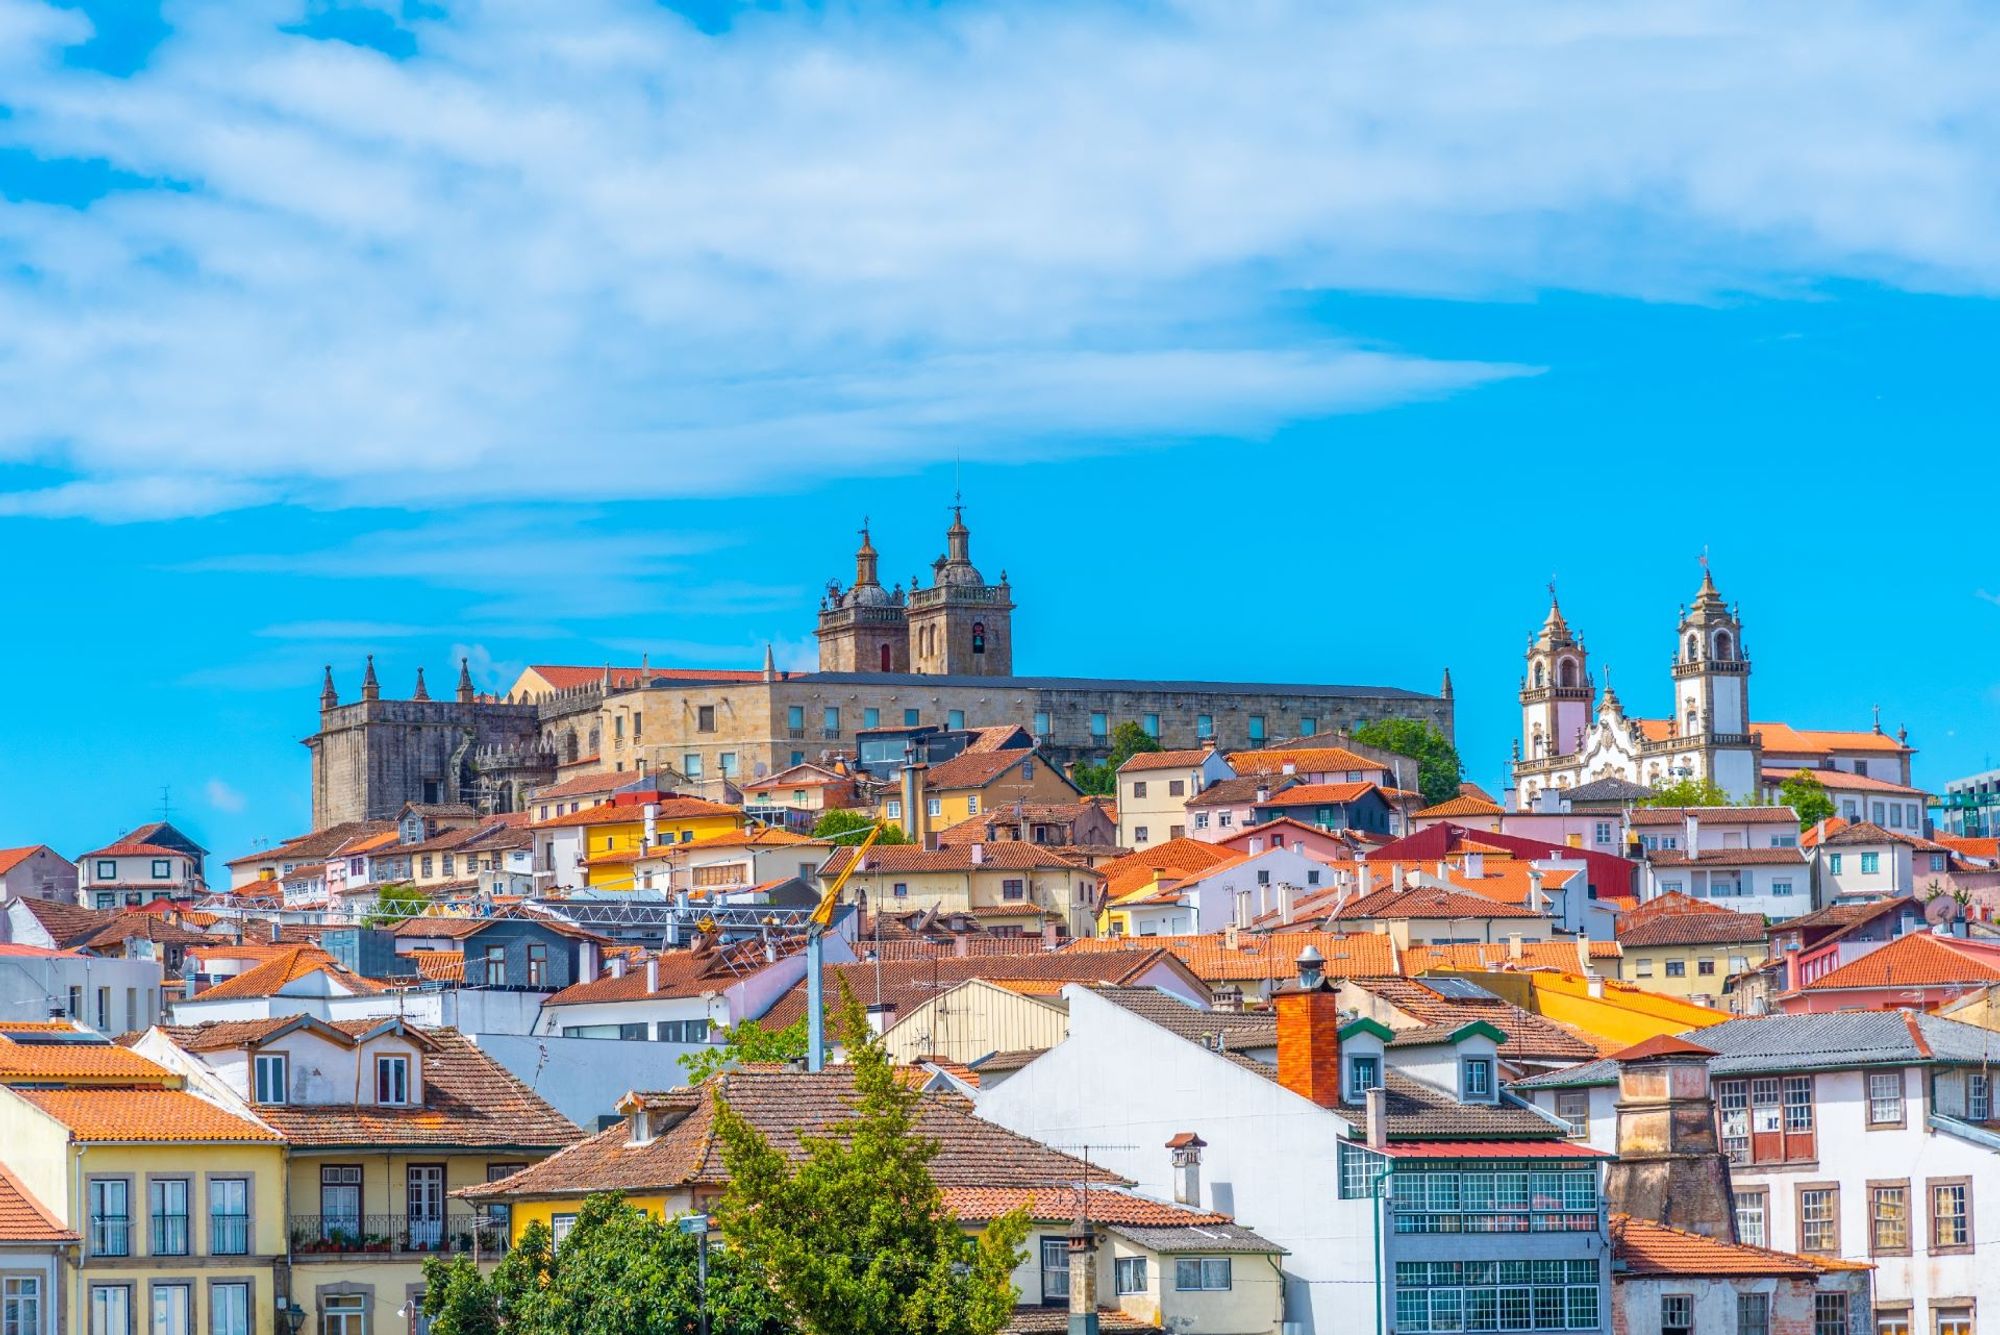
[(1885, 1098), (1131, 1275), (1978, 1097), (560, 1226), (1202, 1274), (1573, 1106), (1475, 1079), (1752, 1228), (392, 1081), (1676, 1314), (1363, 1074), (273, 1080), (110, 1309), (1753, 1314), (21, 1305), (1950, 1321)]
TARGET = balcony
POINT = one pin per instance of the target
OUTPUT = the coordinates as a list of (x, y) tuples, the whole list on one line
[(110, 1235), (317, 1237), (229, 1235), (170, 1235)]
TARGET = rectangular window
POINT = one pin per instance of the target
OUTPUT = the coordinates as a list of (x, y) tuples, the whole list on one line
[(1938, 861), (1677, 968), (830, 721), (1706, 968), (1950, 1321), (871, 718), (339, 1200), (1603, 832), (1360, 1171), (1176, 787), (1676, 1314), (1055, 1270), (1876, 815), (1819, 1220), (1978, 1097), (496, 966), (1131, 1274), (1643, 968), (1138, 789), (704, 718), (392, 1081), (1476, 1078), (1753, 1314), (901, 890), (1833, 863), (229, 1216), (1751, 1213), (893, 809), (912, 717), (172, 1309), (1885, 1098), (691, 764), (538, 966), (727, 762), (1781, 887), (1573, 1106), (1951, 1215), (1830, 1314), (162, 869), (107, 871), (1889, 1219), (1892, 1323), (167, 1198), (955, 720), (795, 720), (1202, 1274), (1308, 725), (1363, 1074), (110, 1217), (933, 806), (1256, 727), (1012, 889), (1151, 724), (110, 1309), (21, 1305), (1100, 726), (1204, 726), (1871, 863), (560, 1226), (229, 1309), (273, 1082)]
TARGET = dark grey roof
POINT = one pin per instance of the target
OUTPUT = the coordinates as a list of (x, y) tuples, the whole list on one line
[(1196, 1238), (1078, 684), (1237, 1029), (1607, 790), (1814, 1043)]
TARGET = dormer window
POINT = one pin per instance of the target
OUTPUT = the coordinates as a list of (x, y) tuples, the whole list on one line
[(392, 1081), (1475, 1080), (272, 1078), (641, 1123), (1363, 1074)]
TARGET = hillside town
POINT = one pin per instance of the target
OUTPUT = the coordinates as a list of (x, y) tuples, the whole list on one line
[(1257, 1012)]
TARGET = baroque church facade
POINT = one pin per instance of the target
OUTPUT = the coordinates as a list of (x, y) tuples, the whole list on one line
[(1571, 736), (926, 655)]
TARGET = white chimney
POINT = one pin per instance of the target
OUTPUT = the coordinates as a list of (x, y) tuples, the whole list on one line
[(1475, 865), (1537, 901), (1289, 767), (1285, 902), (1693, 834), (880, 1016), (1229, 937), (652, 974), (979, 855), (1366, 877), (1376, 1104), (1596, 984), (652, 824), (617, 966), (1513, 945), (1186, 1148)]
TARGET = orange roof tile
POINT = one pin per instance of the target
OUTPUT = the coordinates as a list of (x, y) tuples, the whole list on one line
[(1145, 760), (77, 1061), (1647, 1248), (25, 1219), (1259, 955), (1303, 759), (1915, 960), (11, 858), (298, 962), (1462, 806), (143, 1115)]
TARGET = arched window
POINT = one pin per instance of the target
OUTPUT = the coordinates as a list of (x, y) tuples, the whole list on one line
[(569, 746), (1722, 645), (979, 637), (885, 656), (1541, 677), (1694, 647), (1566, 673), (1692, 724)]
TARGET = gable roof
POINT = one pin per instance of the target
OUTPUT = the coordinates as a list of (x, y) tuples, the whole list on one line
[(144, 1115), (1648, 1249), (783, 1105), (65, 923), (1461, 806), (975, 768), (1678, 919), (1838, 1040), (1302, 759), (1427, 901), (11, 858), (1140, 761), (1915, 959), (1258, 955), (1864, 832), (1525, 1036), (908, 984), (1005, 854), (1319, 794), (1717, 815), (687, 972), (79, 1061), (288, 966), (23, 1219)]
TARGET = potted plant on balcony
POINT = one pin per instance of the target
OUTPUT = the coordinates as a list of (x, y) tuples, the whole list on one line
[(375, 1242)]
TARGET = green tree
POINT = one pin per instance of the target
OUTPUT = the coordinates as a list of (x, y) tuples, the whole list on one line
[(838, 821), (620, 1271), (1438, 768), (1688, 793), (1128, 739), (746, 1042), (396, 903), (1807, 797), (855, 1239)]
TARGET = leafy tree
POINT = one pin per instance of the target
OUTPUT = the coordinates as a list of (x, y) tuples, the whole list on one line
[(838, 821), (746, 1042), (396, 903), (1128, 739), (855, 1239), (1806, 796), (1438, 768), (620, 1271), (1688, 793)]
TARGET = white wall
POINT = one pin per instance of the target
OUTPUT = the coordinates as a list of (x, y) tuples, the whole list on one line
[(31, 986)]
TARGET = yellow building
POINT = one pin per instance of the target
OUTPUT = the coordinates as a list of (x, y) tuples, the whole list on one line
[(973, 783), (1684, 947), (603, 841), (384, 1120), (178, 1204), (1610, 1014), (1006, 885)]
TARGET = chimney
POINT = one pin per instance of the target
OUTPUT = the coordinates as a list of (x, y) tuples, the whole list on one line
[(1596, 985), (961, 945), (916, 822), (1049, 939), (617, 966), (1375, 1103), (1537, 901), (1693, 834), (1229, 937), (1365, 877), (276, 933), (1514, 945), (1186, 1148), (979, 855), (1082, 1278), (1475, 865), (1583, 953), (652, 974), (880, 1016), (1263, 793), (1309, 1033), (1289, 767), (1285, 902), (1670, 1166), (652, 824)]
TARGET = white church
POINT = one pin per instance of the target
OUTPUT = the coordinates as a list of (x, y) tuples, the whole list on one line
[(1571, 737)]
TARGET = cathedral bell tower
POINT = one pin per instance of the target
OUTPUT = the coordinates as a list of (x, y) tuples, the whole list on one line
[(1556, 690), (864, 628), (961, 625), (1712, 690)]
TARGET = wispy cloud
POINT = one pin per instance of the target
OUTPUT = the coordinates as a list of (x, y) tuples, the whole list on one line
[(585, 250), (223, 797)]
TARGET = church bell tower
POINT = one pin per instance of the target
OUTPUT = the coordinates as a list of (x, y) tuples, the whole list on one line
[(1712, 690), (863, 628), (961, 625), (1556, 690)]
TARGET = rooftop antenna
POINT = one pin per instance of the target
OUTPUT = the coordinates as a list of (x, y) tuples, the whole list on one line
[(166, 802)]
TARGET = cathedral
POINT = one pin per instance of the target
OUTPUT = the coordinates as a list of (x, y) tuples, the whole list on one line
[(1571, 736), (960, 626)]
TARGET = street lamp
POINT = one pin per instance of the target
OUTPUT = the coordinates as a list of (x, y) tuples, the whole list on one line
[(698, 1226), (290, 1316)]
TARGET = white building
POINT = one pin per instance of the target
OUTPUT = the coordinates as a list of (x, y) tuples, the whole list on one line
[(1863, 1135), (1863, 861), (113, 996), (1154, 788)]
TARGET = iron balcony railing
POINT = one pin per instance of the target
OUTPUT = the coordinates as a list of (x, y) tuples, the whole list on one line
[(110, 1235), (170, 1235), (229, 1235), (333, 1235)]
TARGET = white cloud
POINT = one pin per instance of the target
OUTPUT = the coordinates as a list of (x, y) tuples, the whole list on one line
[(584, 250), (223, 797)]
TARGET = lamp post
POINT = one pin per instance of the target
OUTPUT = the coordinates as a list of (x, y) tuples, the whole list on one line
[(290, 1316), (698, 1226)]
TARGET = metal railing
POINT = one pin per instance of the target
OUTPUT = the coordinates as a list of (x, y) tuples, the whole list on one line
[(110, 1235), (170, 1235), (229, 1235), (316, 1235)]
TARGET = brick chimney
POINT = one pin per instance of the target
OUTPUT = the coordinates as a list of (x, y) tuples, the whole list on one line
[(1309, 1033)]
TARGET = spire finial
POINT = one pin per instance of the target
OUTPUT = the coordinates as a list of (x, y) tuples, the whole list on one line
[(465, 680), (421, 693), (770, 663), (328, 697), (371, 689)]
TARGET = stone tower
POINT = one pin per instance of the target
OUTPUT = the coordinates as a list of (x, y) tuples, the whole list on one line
[(863, 629), (1670, 1166), (1556, 689), (1712, 692), (961, 625)]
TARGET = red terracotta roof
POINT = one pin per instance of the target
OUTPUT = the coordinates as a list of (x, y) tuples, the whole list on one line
[(1317, 794), (298, 962), (1303, 759), (1917, 959), (143, 1115), (11, 858), (1647, 1249), (1661, 1045), (1460, 807), (1148, 760), (976, 769), (23, 1219), (908, 984)]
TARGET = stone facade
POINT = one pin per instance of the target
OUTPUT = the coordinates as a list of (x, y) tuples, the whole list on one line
[(950, 647)]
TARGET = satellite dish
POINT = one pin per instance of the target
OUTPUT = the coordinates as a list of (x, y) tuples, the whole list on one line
[(1940, 911)]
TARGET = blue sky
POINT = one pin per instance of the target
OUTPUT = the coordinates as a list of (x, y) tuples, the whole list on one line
[(1269, 341)]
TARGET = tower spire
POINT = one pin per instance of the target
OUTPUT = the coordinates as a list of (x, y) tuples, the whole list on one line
[(328, 697), (371, 689), (465, 681), (421, 693)]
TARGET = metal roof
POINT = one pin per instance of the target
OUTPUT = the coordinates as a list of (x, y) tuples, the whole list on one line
[(1833, 1042)]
